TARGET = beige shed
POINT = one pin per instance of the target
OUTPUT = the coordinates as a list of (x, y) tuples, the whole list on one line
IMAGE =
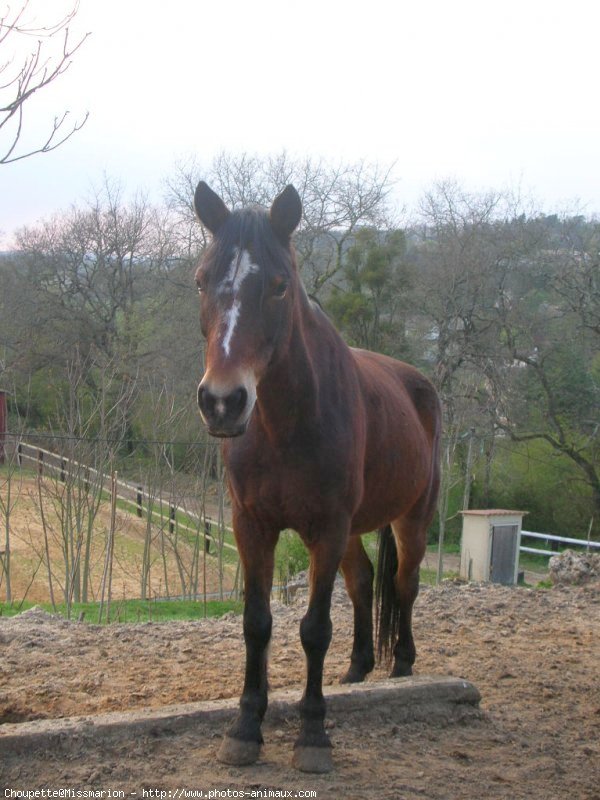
[(490, 545)]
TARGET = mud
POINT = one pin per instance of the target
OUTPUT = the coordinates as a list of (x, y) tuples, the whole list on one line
[(533, 654)]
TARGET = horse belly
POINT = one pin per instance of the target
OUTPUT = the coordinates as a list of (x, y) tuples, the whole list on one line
[(396, 476)]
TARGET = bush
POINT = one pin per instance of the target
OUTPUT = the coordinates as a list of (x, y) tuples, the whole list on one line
[(291, 556)]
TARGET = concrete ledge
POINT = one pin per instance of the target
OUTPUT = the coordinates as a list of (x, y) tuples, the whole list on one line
[(404, 699)]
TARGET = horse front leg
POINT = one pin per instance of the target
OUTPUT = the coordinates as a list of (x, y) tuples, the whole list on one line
[(312, 750), (242, 743)]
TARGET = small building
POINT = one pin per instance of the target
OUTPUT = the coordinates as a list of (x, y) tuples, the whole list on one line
[(490, 545)]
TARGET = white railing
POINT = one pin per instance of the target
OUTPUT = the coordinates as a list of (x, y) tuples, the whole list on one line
[(129, 493), (548, 537)]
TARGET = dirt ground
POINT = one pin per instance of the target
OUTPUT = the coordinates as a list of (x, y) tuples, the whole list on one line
[(533, 654)]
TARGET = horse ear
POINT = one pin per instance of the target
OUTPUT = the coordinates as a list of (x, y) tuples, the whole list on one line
[(286, 213), (211, 210)]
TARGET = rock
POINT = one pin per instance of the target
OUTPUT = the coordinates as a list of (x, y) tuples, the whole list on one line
[(298, 590), (574, 568), (38, 615), (297, 586)]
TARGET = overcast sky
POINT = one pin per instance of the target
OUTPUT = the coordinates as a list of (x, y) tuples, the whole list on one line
[(492, 93)]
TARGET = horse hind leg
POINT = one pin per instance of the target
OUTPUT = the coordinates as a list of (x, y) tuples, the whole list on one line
[(358, 576), (402, 547)]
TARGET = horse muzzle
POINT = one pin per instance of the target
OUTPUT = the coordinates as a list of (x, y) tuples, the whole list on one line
[(225, 413)]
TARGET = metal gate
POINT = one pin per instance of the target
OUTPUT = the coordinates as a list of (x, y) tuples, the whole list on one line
[(504, 553)]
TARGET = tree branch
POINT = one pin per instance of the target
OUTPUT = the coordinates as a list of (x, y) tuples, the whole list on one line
[(34, 74)]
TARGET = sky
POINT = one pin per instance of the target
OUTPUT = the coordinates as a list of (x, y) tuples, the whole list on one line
[(493, 94)]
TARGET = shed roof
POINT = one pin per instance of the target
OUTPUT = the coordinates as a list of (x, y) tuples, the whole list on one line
[(492, 512)]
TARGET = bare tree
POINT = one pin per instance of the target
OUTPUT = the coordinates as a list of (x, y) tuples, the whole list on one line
[(460, 240), (337, 199), (509, 303), (70, 498), (32, 56), (93, 270), (9, 494), (11, 485), (548, 389), (575, 276)]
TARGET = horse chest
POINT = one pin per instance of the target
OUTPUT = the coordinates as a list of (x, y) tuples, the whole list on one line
[(292, 487)]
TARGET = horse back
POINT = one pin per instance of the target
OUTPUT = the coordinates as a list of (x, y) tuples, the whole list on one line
[(403, 426)]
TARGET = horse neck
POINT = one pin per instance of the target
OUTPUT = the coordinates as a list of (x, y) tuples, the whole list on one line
[(289, 393)]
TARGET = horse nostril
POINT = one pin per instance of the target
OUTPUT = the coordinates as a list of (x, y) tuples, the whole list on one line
[(236, 402), (206, 400)]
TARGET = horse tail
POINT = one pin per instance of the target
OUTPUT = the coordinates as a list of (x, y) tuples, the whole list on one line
[(387, 614)]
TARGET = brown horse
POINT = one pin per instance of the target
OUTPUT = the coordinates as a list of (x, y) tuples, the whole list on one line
[(326, 440)]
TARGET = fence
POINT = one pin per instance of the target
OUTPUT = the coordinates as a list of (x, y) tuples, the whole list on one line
[(133, 494), (175, 516), (549, 538), (177, 501), (186, 538)]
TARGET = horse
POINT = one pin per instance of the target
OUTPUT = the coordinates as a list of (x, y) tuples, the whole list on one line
[(329, 441)]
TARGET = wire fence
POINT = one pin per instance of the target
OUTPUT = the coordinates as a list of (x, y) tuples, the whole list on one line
[(80, 524)]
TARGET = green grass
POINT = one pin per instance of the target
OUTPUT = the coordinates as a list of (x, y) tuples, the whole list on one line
[(449, 547), (134, 610), (183, 519), (534, 562), (428, 576)]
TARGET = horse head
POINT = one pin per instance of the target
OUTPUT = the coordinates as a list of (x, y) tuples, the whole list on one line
[(247, 282)]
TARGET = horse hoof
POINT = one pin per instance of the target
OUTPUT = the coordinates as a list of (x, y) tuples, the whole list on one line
[(313, 759), (402, 670), (238, 753), (353, 676)]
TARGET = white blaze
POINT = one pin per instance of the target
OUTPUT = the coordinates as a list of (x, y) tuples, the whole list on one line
[(231, 318), (241, 266)]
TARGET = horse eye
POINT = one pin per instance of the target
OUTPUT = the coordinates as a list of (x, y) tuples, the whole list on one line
[(280, 290)]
